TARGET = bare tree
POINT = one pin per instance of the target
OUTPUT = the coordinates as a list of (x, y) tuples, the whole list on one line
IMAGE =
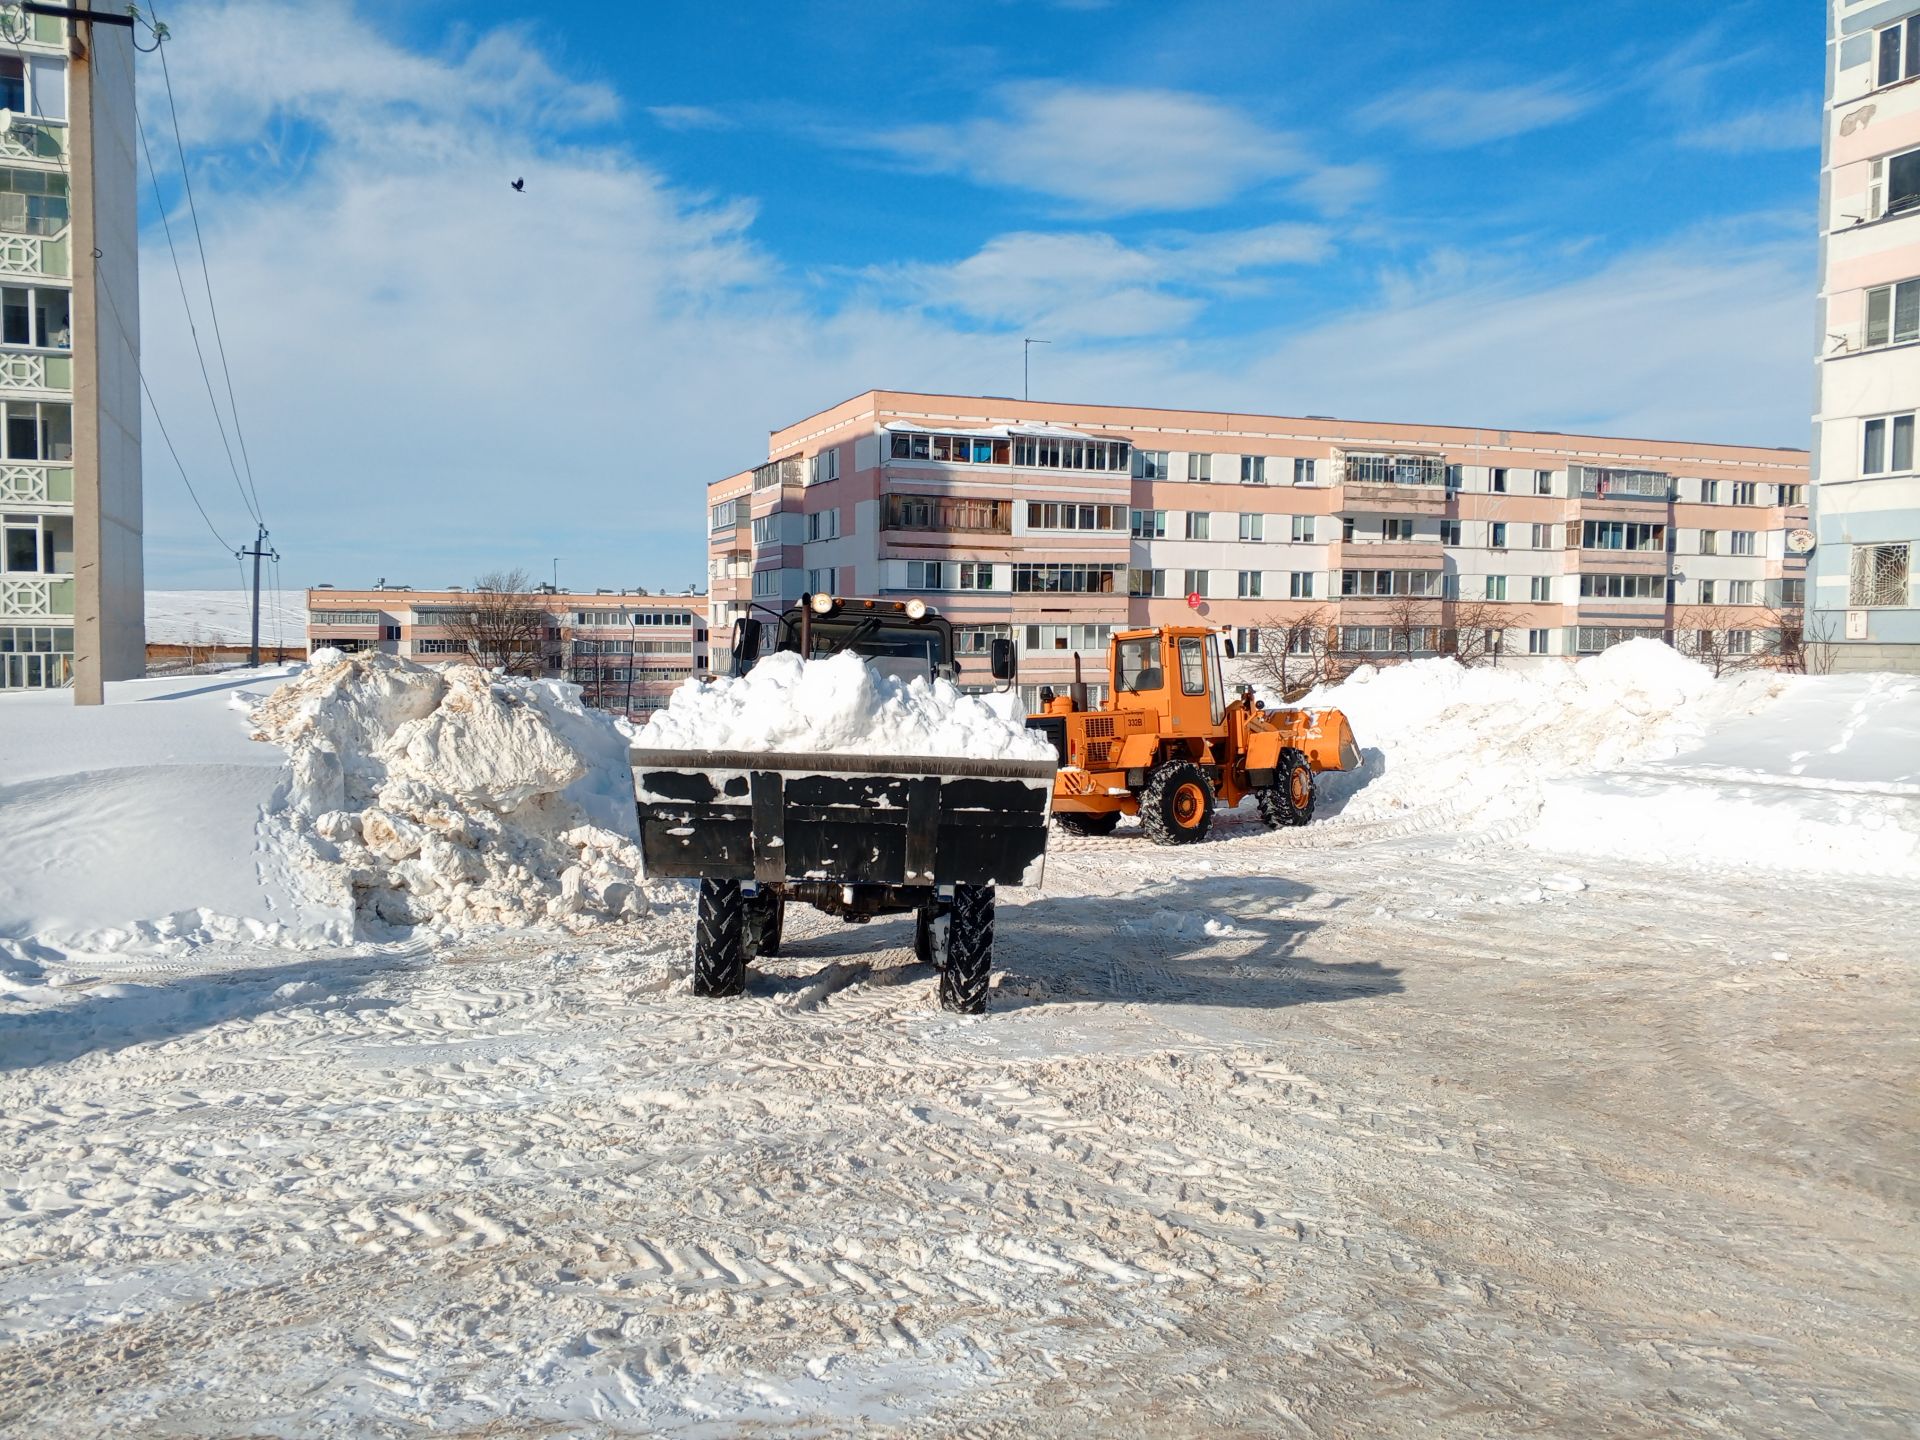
[(503, 624), (1411, 623), (1471, 632), (1723, 638), (1296, 654), (1806, 642)]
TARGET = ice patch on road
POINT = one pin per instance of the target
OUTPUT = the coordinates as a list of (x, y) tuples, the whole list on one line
[(452, 797), (839, 705)]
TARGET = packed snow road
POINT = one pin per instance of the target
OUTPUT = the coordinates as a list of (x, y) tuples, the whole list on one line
[(1346, 1131)]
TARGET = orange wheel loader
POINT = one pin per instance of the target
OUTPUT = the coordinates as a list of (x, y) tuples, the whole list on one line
[(1170, 747)]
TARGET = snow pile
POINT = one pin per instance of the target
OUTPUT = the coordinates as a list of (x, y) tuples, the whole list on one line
[(452, 797), (838, 705)]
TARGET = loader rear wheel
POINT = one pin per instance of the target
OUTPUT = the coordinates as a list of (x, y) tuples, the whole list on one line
[(719, 949), (1289, 800), (1080, 823), (1176, 808), (763, 919), (969, 967)]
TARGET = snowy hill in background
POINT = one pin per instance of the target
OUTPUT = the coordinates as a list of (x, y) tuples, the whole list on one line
[(195, 617)]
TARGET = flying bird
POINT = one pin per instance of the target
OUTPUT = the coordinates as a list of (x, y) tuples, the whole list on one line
[(520, 184)]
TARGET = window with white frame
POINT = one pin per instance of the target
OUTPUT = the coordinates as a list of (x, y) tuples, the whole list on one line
[(1194, 582), (823, 525), (32, 202), (1149, 524), (1496, 587), (36, 316), (976, 575), (765, 529), (37, 545), (1709, 492), (1147, 583), (1741, 542), (1302, 529), (1893, 184), (1497, 534), (1300, 585), (1898, 52), (34, 85), (1739, 592), (1346, 529), (1396, 528), (1250, 585), (1708, 591), (820, 582), (1199, 465), (1388, 583), (1539, 643), (1878, 575), (1622, 587), (1303, 472), (1150, 465), (1887, 445), (1893, 313), (1084, 638), (1497, 480), (1543, 537), (1745, 492), (1449, 532), (1709, 542), (1252, 526), (1253, 469), (1199, 525), (766, 582), (1792, 495), (825, 467), (1543, 482), (1064, 515), (1456, 477), (926, 575), (1449, 587), (1542, 589), (37, 430), (1246, 640)]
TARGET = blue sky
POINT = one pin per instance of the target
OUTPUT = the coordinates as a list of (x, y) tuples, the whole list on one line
[(1573, 217)]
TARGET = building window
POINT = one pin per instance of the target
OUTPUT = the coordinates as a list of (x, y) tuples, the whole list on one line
[(37, 545), (1199, 525), (38, 430), (1064, 579), (1623, 535), (1592, 639), (1149, 524), (1396, 528), (1346, 529), (1888, 445), (1300, 585), (1542, 588), (1543, 482), (1741, 542), (1893, 313), (1893, 184), (1878, 575), (1150, 465), (947, 512), (1707, 592), (1793, 594), (1899, 48), (1386, 583), (823, 525), (1739, 592), (1496, 587), (926, 575), (1792, 495), (1253, 469), (976, 575), (820, 582), (952, 449), (1084, 638), (346, 617), (1199, 466), (1497, 480), (1497, 534), (1046, 452), (766, 582), (32, 202), (36, 317), (1303, 472), (1052, 515), (726, 515), (1302, 529), (1538, 643), (439, 647), (1249, 584), (825, 466), (1745, 492), (1456, 477), (1246, 640), (40, 657), (1195, 582), (1623, 587), (1253, 527), (1147, 583), (1449, 532), (1543, 537), (1449, 587)]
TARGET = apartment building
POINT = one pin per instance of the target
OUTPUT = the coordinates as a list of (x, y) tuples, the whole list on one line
[(1865, 500), (71, 578), (627, 650), (1054, 523)]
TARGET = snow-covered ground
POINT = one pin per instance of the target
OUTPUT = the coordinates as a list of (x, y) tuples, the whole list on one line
[(225, 617), (1497, 1100)]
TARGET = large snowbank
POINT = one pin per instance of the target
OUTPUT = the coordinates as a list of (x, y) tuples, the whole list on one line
[(452, 797), (838, 705), (1605, 756)]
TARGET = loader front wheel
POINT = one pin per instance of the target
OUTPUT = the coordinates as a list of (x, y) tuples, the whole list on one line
[(1078, 823), (969, 967), (1176, 808), (719, 947), (763, 918), (1289, 801)]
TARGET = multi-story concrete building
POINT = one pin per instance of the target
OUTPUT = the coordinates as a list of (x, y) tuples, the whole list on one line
[(1865, 566), (1055, 523), (625, 649), (71, 578)]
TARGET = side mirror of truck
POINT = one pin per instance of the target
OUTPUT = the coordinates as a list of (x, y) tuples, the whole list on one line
[(1229, 645), (746, 644), (1001, 659)]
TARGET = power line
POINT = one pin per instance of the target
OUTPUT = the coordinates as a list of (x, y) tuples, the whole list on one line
[(206, 274)]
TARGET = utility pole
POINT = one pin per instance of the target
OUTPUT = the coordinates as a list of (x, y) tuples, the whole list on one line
[(258, 552), (1026, 349), (556, 574)]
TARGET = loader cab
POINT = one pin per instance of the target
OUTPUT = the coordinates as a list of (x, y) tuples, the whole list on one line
[(1175, 671), (906, 638)]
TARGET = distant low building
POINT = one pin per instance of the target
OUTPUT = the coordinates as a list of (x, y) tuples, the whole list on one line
[(626, 650)]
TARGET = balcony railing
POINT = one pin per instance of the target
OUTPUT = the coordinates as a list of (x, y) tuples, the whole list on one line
[(1388, 469), (948, 512), (34, 140), (790, 471), (28, 483), (1595, 482), (30, 370), (39, 599)]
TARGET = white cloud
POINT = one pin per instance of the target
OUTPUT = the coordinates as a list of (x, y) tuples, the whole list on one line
[(689, 117), (1107, 150), (1452, 117), (1791, 125)]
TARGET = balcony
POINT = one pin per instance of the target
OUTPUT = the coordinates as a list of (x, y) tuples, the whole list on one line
[(1394, 554), (33, 370), (27, 482), (35, 256), (1395, 483), (36, 599), (790, 471), (1594, 482), (34, 141), (944, 513)]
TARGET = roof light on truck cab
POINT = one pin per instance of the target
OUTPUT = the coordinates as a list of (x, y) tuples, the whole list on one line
[(822, 603), (916, 609)]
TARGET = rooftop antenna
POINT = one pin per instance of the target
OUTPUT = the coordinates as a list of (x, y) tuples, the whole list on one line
[(1026, 349)]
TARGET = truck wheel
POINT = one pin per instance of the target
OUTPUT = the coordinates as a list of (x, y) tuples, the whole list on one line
[(931, 927), (763, 918), (963, 982), (719, 951), (1077, 823), (1176, 808), (1289, 801)]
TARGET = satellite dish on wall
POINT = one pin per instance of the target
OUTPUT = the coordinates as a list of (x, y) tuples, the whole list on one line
[(1800, 540)]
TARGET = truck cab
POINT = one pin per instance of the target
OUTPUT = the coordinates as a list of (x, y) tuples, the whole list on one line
[(905, 638)]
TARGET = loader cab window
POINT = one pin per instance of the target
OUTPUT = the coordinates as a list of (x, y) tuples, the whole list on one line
[(1139, 665), (1193, 666), (908, 651)]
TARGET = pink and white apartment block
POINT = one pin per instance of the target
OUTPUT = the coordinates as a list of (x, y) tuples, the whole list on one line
[(626, 650), (1054, 524)]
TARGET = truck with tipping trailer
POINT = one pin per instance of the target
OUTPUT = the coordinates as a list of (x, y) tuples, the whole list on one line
[(855, 836)]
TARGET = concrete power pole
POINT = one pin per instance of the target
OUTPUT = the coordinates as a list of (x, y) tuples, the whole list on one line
[(259, 552)]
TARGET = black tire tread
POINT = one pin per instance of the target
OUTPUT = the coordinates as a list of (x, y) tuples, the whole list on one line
[(763, 919), (719, 947), (969, 969), (1285, 812), (1156, 802), (1080, 824)]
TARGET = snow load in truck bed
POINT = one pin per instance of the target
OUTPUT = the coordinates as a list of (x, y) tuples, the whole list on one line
[(839, 706)]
